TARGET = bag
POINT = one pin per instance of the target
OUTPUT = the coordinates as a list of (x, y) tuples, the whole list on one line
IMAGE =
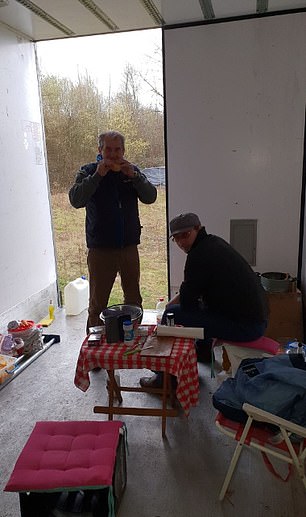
[(30, 334)]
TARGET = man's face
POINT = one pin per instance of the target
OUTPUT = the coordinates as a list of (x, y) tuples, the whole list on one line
[(112, 149), (185, 240)]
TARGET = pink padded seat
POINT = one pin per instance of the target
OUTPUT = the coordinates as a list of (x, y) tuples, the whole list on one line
[(67, 455), (237, 350), (263, 343)]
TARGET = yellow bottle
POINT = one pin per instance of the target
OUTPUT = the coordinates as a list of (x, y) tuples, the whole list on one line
[(51, 310)]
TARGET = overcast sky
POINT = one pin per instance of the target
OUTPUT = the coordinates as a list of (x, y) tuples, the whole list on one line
[(104, 59)]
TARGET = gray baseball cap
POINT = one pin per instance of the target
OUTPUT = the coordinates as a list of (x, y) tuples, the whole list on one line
[(183, 223)]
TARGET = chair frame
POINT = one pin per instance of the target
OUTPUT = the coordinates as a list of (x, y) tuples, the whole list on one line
[(293, 454)]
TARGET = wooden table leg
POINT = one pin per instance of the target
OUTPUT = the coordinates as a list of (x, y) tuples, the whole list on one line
[(162, 412), (115, 387)]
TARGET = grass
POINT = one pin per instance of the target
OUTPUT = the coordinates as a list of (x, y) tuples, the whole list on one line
[(71, 251)]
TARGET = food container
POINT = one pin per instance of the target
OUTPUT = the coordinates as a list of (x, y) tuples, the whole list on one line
[(7, 364)]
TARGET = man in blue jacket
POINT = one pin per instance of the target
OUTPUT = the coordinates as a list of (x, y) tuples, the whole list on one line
[(109, 189)]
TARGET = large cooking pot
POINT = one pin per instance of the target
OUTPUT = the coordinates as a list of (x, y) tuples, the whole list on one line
[(275, 282), (133, 311)]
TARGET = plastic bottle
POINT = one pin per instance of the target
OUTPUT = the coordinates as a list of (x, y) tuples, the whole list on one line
[(51, 310), (128, 332), (76, 296), (160, 307)]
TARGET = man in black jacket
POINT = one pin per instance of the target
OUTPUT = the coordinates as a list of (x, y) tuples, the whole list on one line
[(109, 189), (220, 292)]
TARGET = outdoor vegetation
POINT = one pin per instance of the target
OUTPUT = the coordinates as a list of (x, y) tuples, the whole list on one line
[(74, 115)]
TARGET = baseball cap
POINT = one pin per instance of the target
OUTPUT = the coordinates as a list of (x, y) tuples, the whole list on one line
[(183, 223)]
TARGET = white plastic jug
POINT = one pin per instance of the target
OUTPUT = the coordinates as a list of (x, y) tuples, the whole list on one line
[(76, 296)]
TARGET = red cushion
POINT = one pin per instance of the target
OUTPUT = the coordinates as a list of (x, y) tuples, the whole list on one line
[(263, 343), (66, 454)]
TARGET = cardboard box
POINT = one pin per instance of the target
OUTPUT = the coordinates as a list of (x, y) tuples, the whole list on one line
[(286, 316)]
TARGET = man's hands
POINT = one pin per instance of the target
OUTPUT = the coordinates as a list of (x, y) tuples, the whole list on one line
[(123, 165)]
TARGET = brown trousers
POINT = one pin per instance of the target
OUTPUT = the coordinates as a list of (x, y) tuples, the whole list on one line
[(103, 266)]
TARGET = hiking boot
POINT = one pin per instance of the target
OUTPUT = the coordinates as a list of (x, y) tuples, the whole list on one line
[(156, 381)]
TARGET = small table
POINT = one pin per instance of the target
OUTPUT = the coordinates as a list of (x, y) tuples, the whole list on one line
[(182, 363)]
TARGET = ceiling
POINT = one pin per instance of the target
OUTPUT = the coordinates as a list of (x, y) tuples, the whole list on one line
[(54, 19)]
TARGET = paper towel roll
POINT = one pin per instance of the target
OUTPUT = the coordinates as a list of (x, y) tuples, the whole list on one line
[(189, 332)]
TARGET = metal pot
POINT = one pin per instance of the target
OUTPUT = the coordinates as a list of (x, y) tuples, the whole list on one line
[(133, 311), (275, 282)]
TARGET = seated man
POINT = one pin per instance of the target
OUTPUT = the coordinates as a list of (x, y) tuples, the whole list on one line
[(220, 291)]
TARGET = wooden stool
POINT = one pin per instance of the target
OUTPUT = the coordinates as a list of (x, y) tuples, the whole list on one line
[(236, 350)]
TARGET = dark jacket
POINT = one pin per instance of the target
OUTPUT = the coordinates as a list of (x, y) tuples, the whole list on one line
[(220, 280), (112, 217)]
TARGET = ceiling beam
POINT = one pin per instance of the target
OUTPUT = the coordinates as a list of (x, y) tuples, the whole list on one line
[(153, 12), (46, 17), (94, 9), (207, 9)]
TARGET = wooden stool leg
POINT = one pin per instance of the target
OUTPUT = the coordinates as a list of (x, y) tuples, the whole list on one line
[(164, 402)]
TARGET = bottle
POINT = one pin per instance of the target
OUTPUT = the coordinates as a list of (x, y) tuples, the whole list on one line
[(51, 310), (76, 296), (128, 332), (160, 307)]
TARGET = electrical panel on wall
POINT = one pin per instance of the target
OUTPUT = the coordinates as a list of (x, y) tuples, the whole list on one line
[(243, 237)]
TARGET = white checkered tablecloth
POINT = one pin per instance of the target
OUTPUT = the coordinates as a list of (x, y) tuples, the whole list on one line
[(182, 363)]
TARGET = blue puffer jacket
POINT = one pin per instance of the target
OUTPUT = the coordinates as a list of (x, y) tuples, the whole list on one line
[(278, 386), (112, 218), (111, 202)]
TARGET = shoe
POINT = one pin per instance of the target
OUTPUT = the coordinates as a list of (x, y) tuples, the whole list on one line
[(156, 381)]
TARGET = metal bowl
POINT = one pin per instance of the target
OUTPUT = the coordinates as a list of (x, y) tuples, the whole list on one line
[(133, 311)]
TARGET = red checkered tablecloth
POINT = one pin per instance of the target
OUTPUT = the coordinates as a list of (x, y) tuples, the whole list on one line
[(182, 363)]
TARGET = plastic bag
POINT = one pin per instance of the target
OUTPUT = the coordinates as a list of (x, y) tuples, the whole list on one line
[(29, 333)]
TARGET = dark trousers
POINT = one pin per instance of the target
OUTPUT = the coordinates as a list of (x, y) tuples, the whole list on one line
[(103, 266), (216, 325)]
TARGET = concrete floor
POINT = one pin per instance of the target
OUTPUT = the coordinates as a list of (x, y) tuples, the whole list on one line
[(176, 477)]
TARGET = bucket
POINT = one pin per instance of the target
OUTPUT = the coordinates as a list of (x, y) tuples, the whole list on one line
[(76, 296)]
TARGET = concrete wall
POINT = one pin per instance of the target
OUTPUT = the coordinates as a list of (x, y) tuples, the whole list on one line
[(27, 262), (235, 105)]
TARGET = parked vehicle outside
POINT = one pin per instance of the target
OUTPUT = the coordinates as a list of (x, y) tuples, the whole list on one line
[(156, 175)]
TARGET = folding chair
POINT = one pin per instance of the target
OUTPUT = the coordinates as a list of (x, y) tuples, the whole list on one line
[(264, 439)]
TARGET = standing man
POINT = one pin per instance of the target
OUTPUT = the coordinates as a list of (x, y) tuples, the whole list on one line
[(220, 291), (109, 189)]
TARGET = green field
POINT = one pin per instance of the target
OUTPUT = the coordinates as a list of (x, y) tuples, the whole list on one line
[(69, 234)]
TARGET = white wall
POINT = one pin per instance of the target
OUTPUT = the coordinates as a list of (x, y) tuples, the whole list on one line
[(27, 263), (235, 104)]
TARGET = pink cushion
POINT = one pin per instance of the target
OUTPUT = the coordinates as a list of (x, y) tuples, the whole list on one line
[(66, 454), (263, 343)]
